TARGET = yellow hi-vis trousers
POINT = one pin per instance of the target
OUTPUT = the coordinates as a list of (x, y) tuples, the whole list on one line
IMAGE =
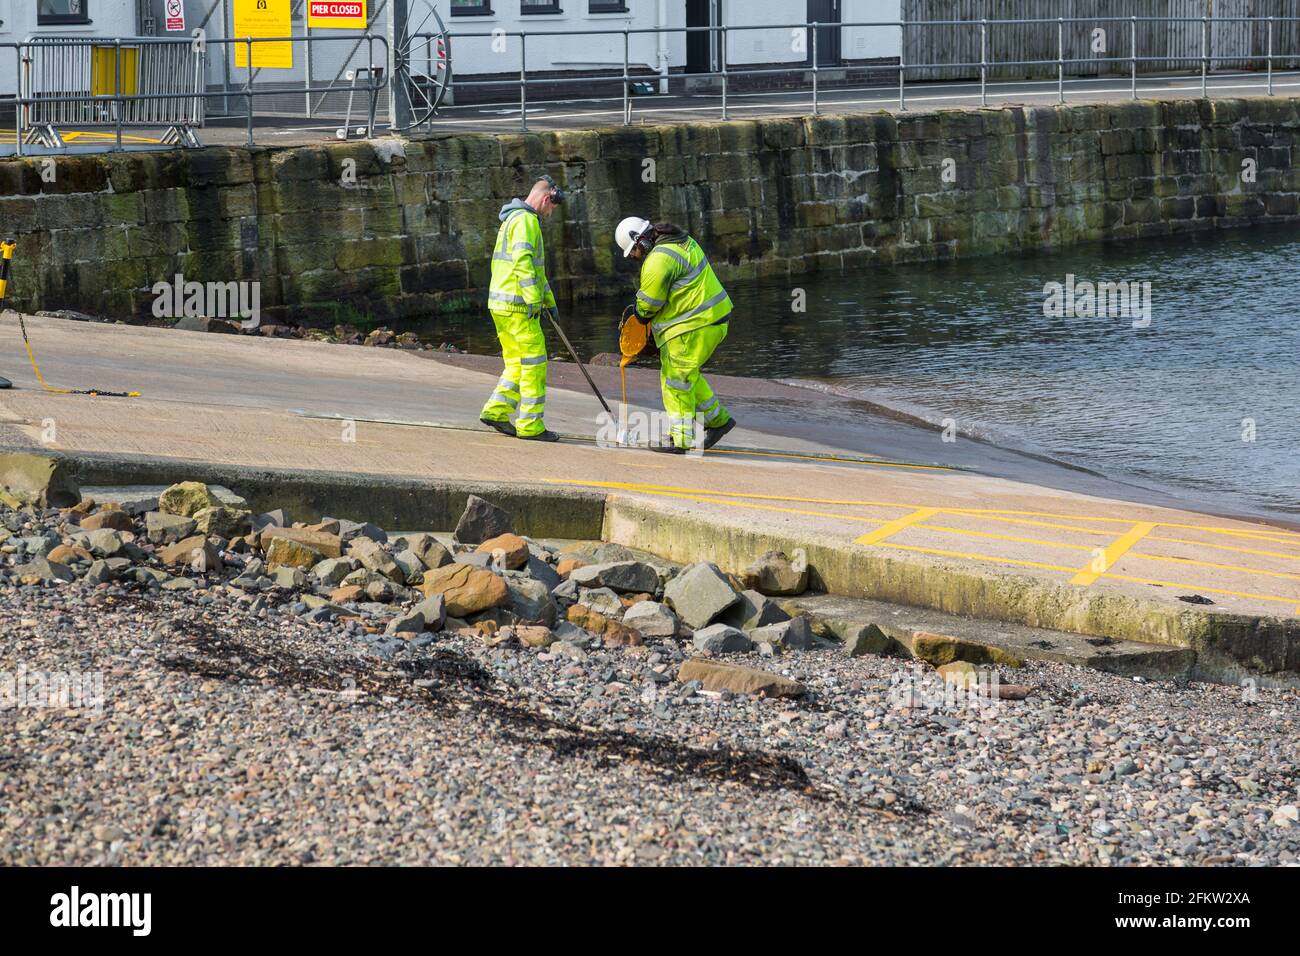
[(685, 391), (522, 387)]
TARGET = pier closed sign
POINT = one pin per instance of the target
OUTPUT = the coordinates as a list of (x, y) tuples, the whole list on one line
[(336, 14)]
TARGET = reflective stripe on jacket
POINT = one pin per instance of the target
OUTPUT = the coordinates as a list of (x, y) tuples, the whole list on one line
[(519, 281), (679, 291)]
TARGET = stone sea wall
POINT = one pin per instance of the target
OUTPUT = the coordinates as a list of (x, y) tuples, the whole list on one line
[(395, 228)]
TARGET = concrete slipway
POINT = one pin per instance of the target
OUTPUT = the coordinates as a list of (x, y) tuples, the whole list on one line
[(994, 543)]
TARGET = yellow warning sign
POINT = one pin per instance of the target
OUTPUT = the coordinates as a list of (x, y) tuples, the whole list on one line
[(336, 14), (263, 18)]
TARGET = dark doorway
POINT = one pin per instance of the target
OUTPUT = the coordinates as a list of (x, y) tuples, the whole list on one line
[(702, 46), (828, 38)]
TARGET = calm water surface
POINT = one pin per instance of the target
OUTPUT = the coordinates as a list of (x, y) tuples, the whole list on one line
[(1205, 397)]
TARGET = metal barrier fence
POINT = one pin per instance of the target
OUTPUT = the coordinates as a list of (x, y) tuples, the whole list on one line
[(813, 69), (101, 83), (155, 83), (74, 81)]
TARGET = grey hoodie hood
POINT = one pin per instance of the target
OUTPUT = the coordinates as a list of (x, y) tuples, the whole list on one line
[(514, 205)]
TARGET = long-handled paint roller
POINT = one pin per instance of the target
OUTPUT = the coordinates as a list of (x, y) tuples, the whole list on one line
[(7, 248), (552, 314)]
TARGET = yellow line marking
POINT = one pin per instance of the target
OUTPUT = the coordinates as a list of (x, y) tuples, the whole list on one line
[(1041, 524), (1286, 536), (787, 511), (1224, 547), (849, 461), (661, 489), (895, 526), (1004, 537), (982, 557), (1221, 567), (1114, 551), (1198, 587)]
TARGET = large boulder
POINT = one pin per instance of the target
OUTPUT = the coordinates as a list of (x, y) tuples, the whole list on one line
[(610, 631), (509, 550), (753, 610), (187, 498), (776, 574), (717, 676), (194, 551), (793, 635), (328, 545), (467, 590), (290, 552), (163, 528), (482, 520), (427, 548), (530, 600), (373, 556), (629, 577), (222, 522), (721, 639), (38, 480), (651, 618), (699, 594), (112, 520)]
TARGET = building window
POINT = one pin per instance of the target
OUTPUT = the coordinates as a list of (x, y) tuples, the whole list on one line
[(61, 11), (607, 6), (471, 8), (539, 6)]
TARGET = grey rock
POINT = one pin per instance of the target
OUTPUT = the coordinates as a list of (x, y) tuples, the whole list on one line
[(351, 530), (289, 577), (102, 543), (332, 571), (651, 618), (542, 571), (566, 592), (602, 600), (478, 559), (272, 519), (699, 594), (774, 573), (48, 571), (794, 635), (869, 639), (530, 600), (722, 639), (482, 520), (411, 566), (163, 528), (630, 577), (753, 610)]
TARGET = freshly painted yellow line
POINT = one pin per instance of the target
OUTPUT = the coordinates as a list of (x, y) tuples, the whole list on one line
[(1004, 537), (746, 504), (848, 461), (1223, 547), (1221, 567), (895, 526), (1199, 587), (1286, 536), (1038, 524), (982, 557), (1113, 552)]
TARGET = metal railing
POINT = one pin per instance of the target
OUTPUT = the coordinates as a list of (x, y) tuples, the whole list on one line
[(813, 68), (167, 98), (60, 85)]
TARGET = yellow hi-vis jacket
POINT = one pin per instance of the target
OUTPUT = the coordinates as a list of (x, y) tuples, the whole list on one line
[(519, 281), (679, 291)]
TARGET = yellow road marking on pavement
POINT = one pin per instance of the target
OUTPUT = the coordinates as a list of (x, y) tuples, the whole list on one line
[(1200, 587), (982, 557), (658, 489), (851, 461), (1004, 537), (895, 526), (1040, 524), (1221, 567), (1272, 535), (1113, 552), (746, 504), (1223, 547)]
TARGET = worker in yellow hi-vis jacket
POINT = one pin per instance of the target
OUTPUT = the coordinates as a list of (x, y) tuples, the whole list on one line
[(687, 310), (518, 294)]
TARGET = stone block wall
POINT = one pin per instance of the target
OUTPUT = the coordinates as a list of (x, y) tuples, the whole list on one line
[(398, 228)]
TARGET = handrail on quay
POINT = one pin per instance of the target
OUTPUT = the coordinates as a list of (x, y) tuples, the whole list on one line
[(158, 82)]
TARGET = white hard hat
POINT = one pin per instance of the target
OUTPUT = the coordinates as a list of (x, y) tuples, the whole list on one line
[(628, 231)]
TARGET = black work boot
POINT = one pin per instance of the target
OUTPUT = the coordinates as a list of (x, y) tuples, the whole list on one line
[(504, 428), (714, 435), (547, 435)]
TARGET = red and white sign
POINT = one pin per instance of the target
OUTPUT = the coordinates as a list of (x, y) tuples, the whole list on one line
[(337, 14), (175, 18)]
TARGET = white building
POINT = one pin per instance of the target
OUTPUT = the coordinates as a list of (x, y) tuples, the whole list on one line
[(498, 55)]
